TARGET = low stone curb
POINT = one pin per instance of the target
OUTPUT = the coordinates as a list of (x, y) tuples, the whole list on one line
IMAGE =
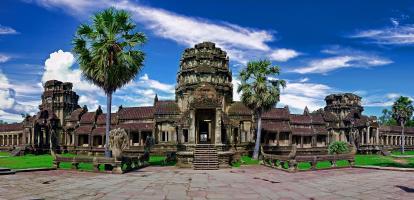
[(34, 169), (402, 156), (387, 168)]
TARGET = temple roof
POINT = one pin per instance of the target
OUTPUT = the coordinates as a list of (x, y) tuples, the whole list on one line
[(137, 126), (11, 127), (101, 119), (136, 113), (169, 107), (300, 119), (276, 113), (84, 129), (302, 131), (238, 108), (276, 126), (88, 118)]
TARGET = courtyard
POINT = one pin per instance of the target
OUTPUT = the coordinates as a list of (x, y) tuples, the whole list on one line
[(247, 182)]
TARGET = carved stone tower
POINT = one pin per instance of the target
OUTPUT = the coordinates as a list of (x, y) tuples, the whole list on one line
[(343, 104), (59, 98)]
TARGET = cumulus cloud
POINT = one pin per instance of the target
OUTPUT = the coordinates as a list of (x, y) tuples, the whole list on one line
[(4, 58), (10, 108), (59, 66), (242, 43), (4, 30), (342, 58)]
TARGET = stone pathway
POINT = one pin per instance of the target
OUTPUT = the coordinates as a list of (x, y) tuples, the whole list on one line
[(255, 182)]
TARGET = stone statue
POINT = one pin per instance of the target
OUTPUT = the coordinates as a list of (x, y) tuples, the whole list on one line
[(118, 142)]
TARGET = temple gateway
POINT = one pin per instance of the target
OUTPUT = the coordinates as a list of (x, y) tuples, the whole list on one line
[(204, 126)]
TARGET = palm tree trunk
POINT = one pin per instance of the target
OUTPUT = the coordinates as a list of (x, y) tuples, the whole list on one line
[(402, 138), (108, 124), (258, 137)]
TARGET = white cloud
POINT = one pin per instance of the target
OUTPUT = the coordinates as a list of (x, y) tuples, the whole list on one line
[(342, 58), (10, 108), (145, 81), (236, 83), (4, 30), (241, 43), (396, 35), (4, 58), (59, 67), (283, 54), (298, 95), (382, 100), (90, 101)]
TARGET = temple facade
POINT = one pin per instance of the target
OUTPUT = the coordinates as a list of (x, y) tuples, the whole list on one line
[(203, 120)]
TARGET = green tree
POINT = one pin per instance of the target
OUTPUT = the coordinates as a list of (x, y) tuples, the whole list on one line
[(402, 111), (107, 54), (386, 118), (260, 91)]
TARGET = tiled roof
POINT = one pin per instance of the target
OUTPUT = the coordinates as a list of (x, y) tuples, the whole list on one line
[(317, 118), (101, 119), (88, 118), (74, 116), (84, 130), (276, 126), (238, 108), (396, 130), (11, 127), (131, 113), (137, 126), (99, 131), (300, 119), (320, 130), (276, 113), (167, 108), (302, 131)]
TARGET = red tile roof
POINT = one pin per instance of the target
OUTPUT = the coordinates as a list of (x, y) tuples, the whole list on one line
[(74, 116), (302, 131), (167, 108), (99, 131), (300, 119), (238, 108), (101, 119), (317, 118), (276, 126), (135, 113), (320, 130), (88, 118), (276, 113), (137, 126), (11, 127), (84, 130)]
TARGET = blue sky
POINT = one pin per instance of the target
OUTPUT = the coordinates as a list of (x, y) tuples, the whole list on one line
[(322, 47)]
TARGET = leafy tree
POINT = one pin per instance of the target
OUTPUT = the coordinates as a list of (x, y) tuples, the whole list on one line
[(260, 91), (3, 122), (386, 118), (107, 54), (338, 147), (402, 111)]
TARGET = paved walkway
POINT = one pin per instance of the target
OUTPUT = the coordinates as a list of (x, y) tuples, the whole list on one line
[(255, 182)]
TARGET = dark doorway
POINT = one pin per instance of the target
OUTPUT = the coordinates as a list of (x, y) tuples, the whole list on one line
[(205, 125), (203, 130)]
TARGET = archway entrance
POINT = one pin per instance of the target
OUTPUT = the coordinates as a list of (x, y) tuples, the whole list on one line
[(205, 122)]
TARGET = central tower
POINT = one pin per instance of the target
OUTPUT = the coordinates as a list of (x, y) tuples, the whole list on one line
[(203, 91)]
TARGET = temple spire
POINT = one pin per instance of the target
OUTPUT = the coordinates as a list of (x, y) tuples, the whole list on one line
[(306, 111)]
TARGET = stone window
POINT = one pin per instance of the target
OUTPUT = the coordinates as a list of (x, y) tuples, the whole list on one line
[(185, 134), (84, 140), (164, 136)]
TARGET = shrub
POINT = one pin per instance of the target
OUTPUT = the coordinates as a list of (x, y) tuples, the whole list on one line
[(338, 147)]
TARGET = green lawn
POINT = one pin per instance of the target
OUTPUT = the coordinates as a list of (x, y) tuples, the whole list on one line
[(399, 153), (360, 160), (2, 153), (45, 161)]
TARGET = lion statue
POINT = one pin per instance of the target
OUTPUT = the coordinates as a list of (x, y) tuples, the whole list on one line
[(118, 142)]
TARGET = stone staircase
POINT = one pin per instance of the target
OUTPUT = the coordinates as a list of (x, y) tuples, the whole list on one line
[(205, 157), (6, 171)]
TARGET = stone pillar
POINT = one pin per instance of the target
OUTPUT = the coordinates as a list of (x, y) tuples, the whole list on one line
[(277, 138), (192, 130), (217, 138), (18, 138), (386, 140), (301, 141), (377, 141), (180, 138), (362, 137)]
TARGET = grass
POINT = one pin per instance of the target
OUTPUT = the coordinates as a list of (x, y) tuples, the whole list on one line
[(3, 153), (45, 161), (360, 160), (399, 153)]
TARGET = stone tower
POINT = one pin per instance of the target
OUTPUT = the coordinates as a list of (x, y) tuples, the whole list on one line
[(59, 98), (204, 65), (343, 104)]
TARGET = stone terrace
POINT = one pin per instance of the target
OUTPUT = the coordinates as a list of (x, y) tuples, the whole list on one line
[(256, 182)]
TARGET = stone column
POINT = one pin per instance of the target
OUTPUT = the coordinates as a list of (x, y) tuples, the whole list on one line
[(217, 138), (180, 138), (192, 131), (368, 135), (18, 138), (301, 141), (277, 138), (362, 137), (377, 141), (386, 140)]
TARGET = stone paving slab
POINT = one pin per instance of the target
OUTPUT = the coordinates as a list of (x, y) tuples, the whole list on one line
[(254, 182)]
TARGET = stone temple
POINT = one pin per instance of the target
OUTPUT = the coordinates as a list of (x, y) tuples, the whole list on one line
[(204, 126)]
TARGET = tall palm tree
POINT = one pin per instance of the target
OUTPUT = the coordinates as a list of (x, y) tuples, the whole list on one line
[(402, 110), (260, 91), (107, 54)]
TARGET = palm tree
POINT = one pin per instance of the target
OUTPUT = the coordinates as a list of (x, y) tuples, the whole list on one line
[(107, 54), (402, 110), (260, 91)]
